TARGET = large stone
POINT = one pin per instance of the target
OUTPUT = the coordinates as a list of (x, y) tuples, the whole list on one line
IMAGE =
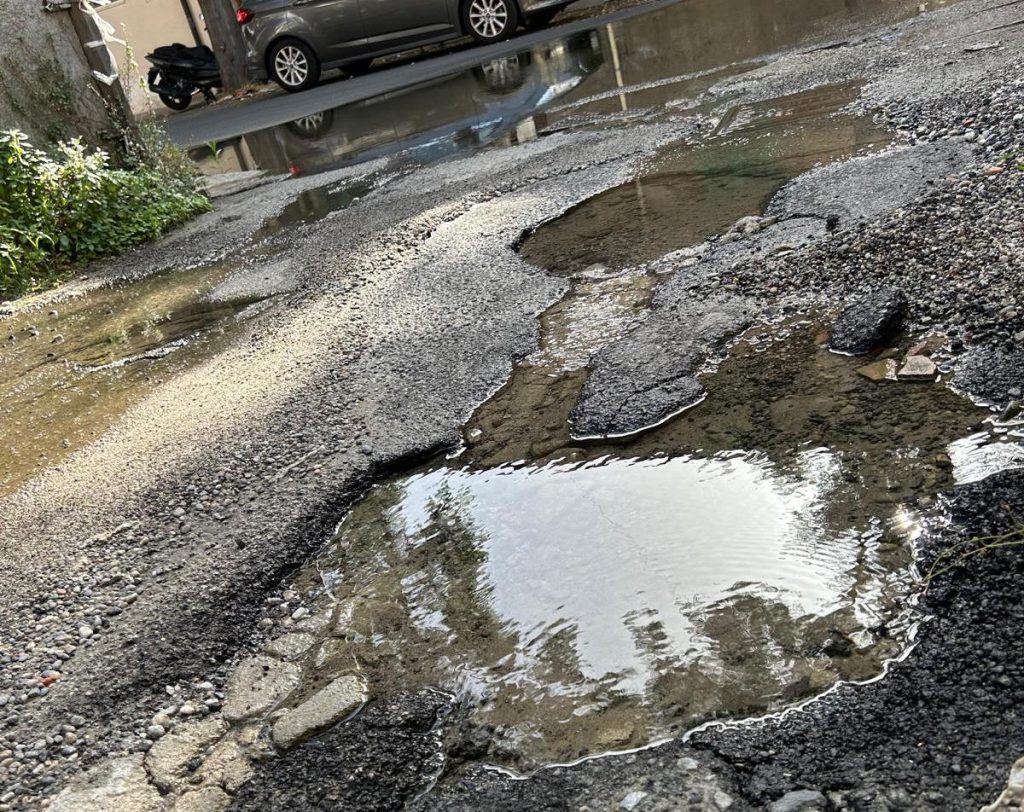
[(119, 785), (868, 323), (323, 709), (169, 759), (259, 685), (651, 374)]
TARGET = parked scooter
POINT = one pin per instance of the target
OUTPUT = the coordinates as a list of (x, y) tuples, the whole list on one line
[(179, 72)]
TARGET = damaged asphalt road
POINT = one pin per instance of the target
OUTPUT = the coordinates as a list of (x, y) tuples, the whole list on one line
[(159, 552)]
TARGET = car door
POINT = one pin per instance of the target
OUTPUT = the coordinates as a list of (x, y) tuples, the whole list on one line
[(394, 23), (335, 27)]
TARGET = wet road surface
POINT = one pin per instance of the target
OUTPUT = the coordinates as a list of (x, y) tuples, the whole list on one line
[(182, 581)]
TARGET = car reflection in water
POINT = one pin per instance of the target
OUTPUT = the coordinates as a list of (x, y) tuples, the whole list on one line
[(497, 102)]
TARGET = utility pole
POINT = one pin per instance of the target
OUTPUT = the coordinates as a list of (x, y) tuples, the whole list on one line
[(226, 37)]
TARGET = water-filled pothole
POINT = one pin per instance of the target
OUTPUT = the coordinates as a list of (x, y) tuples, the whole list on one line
[(316, 204), (743, 556), (692, 191)]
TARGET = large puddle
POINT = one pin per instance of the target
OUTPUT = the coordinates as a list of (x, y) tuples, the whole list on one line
[(591, 597), (660, 61), (689, 192)]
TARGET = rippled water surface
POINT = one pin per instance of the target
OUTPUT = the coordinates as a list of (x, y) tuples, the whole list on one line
[(585, 598)]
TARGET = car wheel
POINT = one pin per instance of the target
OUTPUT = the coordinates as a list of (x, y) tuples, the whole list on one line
[(490, 20), (294, 65), (501, 76), (176, 102), (312, 126)]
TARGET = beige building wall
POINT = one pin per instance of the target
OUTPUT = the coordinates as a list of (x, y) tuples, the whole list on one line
[(146, 25)]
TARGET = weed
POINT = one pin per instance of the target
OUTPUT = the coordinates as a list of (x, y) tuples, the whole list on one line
[(955, 555), (72, 206)]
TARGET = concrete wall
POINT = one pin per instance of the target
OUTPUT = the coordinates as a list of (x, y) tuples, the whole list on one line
[(145, 25), (46, 89)]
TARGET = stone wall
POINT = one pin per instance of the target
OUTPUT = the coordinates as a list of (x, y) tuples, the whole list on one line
[(46, 88)]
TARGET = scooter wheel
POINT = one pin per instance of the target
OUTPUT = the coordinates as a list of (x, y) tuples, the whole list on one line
[(176, 102)]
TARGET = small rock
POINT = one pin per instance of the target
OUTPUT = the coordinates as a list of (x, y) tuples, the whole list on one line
[(162, 719), (632, 800), (324, 708), (879, 371), (155, 732), (918, 368), (798, 801), (868, 323), (748, 225)]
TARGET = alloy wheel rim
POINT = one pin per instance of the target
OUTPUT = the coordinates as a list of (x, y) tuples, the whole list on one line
[(502, 73), (291, 65), (488, 17), (310, 124)]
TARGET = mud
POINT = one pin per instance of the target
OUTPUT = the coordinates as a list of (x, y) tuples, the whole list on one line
[(71, 370)]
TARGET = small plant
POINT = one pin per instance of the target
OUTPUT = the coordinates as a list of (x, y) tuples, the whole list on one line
[(954, 556), (73, 206)]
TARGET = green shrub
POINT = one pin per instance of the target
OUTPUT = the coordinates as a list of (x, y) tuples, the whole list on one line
[(73, 207)]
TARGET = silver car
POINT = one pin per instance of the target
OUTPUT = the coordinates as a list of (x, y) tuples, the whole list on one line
[(294, 41)]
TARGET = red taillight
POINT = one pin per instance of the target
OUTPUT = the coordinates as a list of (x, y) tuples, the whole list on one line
[(243, 15)]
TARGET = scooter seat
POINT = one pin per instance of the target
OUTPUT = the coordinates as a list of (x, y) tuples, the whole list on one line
[(181, 54)]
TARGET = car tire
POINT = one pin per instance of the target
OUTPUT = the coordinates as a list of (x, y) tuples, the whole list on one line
[(502, 76), (294, 65), (312, 126), (490, 20)]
